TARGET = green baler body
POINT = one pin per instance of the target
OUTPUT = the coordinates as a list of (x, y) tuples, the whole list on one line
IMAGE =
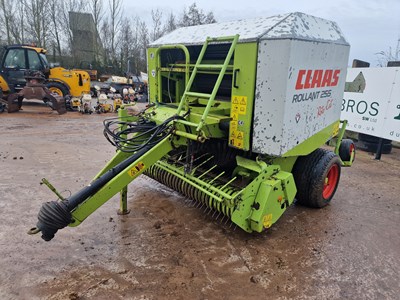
[(212, 91)]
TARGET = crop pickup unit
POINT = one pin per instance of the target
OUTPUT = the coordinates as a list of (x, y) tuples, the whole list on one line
[(238, 112)]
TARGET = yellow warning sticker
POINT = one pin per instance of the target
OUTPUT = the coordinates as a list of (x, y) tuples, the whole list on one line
[(238, 143), (335, 130), (136, 169), (236, 138), (235, 109), (233, 126), (235, 116), (239, 104), (267, 221), (239, 135)]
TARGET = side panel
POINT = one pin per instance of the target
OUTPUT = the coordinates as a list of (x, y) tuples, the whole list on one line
[(242, 99), (303, 99), (152, 73), (270, 94)]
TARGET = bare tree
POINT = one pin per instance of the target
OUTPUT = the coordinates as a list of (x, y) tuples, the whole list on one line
[(37, 20), (195, 16), (136, 56), (55, 10), (210, 18), (65, 8), (127, 43), (7, 12), (97, 10), (144, 43), (170, 25), (115, 23), (156, 16), (17, 27), (105, 33), (392, 54)]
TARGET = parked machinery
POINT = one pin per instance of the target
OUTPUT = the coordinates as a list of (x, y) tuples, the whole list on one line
[(103, 105), (234, 123), (35, 89), (19, 58), (19, 61)]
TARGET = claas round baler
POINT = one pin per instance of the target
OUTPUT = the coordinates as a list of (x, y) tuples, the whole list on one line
[(237, 117)]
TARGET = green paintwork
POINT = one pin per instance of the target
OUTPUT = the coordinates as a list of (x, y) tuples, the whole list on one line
[(286, 163), (199, 66), (52, 188), (314, 141), (152, 72), (245, 66), (338, 141), (118, 183), (264, 200), (213, 192), (270, 187), (123, 202), (158, 64)]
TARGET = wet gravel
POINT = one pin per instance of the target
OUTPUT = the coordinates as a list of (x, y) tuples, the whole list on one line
[(167, 249)]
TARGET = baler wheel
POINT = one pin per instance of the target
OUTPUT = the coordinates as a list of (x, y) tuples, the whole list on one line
[(317, 177), (347, 150)]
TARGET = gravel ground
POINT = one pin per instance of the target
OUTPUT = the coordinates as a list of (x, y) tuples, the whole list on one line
[(166, 249)]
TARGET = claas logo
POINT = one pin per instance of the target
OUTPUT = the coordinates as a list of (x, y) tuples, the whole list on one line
[(310, 79)]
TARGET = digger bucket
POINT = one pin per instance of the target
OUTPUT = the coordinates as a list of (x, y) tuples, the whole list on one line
[(12, 103), (57, 103)]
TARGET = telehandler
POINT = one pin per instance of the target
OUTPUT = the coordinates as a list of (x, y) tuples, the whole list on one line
[(18, 59)]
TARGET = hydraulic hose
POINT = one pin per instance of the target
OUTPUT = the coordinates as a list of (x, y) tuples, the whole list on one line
[(56, 215)]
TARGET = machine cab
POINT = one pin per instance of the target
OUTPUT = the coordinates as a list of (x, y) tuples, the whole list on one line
[(18, 59)]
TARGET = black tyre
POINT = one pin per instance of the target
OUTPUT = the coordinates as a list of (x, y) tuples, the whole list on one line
[(371, 139), (373, 147), (57, 88), (347, 150), (317, 177)]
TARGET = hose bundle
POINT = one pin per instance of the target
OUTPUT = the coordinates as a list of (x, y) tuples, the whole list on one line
[(133, 136), (138, 137)]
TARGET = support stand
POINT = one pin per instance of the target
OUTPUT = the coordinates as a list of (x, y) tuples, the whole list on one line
[(123, 208)]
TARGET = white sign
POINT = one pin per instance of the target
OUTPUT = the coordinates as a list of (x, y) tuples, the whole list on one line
[(371, 102)]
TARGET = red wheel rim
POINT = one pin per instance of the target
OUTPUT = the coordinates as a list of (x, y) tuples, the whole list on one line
[(331, 181), (352, 152)]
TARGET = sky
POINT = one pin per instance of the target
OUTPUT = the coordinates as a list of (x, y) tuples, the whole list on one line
[(370, 26)]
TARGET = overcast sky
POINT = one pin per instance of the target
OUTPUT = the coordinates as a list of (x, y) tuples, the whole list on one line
[(370, 26)]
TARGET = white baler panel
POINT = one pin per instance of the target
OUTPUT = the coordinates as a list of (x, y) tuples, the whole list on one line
[(294, 25), (299, 90), (306, 27), (248, 30)]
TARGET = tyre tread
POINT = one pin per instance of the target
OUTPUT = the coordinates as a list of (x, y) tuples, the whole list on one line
[(308, 173)]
